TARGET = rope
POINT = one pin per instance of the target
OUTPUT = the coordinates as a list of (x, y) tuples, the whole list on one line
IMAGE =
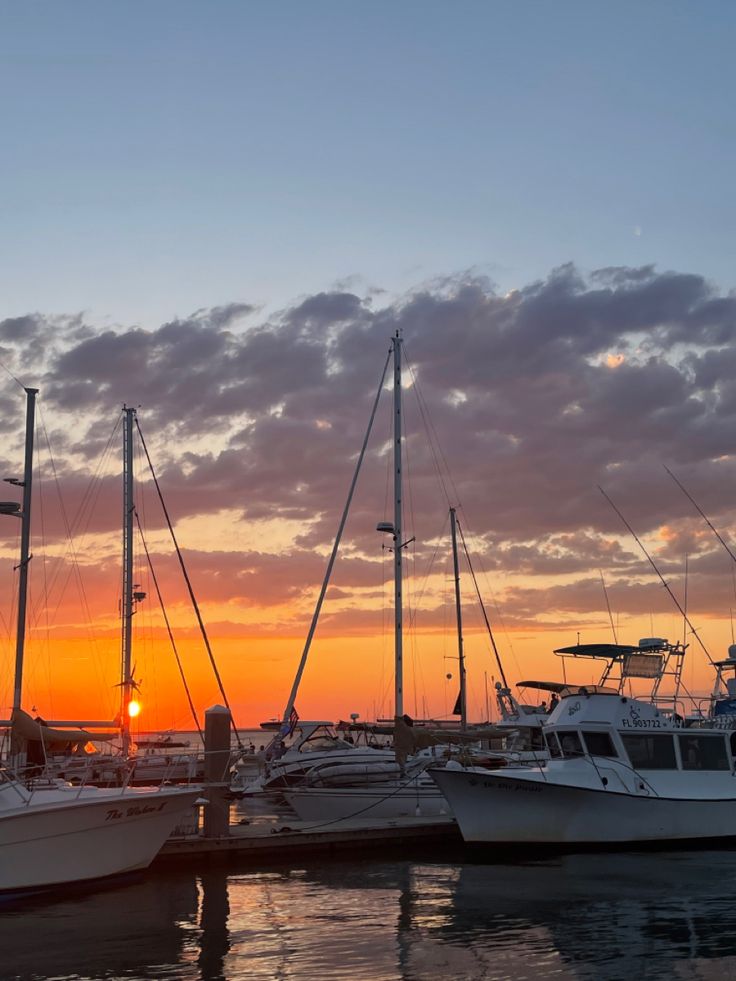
[(168, 628), (325, 582), (187, 580), (11, 375), (483, 609), (368, 807)]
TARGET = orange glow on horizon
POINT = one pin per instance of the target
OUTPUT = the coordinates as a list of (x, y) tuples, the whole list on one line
[(343, 675)]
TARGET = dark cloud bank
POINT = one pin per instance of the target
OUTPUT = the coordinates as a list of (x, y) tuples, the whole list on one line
[(536, 397)]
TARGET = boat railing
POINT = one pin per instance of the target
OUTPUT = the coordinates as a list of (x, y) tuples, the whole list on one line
[(9, 778), (112, 777), (672, 706)]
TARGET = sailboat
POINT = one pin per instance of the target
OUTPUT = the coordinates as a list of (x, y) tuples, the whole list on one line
[(380, 787), (54, 833), (138, 761)]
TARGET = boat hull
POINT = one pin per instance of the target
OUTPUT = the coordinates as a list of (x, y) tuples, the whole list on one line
[(44, 845), (512, 810), (335, 803)]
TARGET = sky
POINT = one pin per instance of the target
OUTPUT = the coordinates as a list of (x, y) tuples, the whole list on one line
[(221, 213)]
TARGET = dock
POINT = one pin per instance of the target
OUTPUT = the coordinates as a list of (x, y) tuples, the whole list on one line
[(287, 840), (257, 830)]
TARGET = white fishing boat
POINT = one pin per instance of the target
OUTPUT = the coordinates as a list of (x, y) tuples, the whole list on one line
[(59, 834), (620, 770)]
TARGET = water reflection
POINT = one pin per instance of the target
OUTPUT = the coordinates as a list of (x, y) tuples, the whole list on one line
[(137, 930), (577, 917), (213, 922)]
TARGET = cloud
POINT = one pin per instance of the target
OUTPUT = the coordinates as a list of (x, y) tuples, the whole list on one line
[(534, 398)]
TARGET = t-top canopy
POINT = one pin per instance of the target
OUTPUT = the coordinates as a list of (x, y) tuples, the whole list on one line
[(612, 652)]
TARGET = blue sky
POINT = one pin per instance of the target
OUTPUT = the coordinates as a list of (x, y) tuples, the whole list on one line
[(162, 157)]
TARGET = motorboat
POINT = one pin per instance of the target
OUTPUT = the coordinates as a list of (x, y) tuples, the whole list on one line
[(414, 796), (56, 833), (290, 758), (395, 787), (620, 770)]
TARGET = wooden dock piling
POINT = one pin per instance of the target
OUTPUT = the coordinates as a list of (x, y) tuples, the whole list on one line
[(217, 772)]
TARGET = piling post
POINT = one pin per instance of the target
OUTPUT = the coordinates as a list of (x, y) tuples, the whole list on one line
[(217, 771)]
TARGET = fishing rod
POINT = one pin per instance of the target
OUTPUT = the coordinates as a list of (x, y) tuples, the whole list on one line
[(666, 585), (608, 605)]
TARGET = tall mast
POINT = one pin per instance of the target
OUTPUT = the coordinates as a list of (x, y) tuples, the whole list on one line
[(458, 611), (398, 604), (25, 543), (127, 639)]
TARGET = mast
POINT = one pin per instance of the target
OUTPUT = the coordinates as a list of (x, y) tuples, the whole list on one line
[(25, 542), (458, 611), (398, 602), (127, 632)]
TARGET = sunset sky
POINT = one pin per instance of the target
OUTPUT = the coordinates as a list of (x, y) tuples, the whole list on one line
[(222, 213)]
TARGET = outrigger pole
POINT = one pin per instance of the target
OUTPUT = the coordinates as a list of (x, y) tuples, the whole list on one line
[(661, 577), (702, 513)]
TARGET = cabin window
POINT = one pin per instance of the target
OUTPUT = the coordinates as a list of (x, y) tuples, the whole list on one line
[(703, 752), (570, 743), (650, 752), (535, 737), (599, 744), (552, 745)]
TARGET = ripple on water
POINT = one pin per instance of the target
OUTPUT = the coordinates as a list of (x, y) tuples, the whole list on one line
[(667, 915)]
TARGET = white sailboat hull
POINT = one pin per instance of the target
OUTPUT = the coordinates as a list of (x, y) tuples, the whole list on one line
[(507, 809), (333, 803), (49, 841)]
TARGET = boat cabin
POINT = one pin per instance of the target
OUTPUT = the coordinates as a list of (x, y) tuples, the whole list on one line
[(598, 722)]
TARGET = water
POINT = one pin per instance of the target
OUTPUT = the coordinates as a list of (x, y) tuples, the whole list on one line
[(634, 915)]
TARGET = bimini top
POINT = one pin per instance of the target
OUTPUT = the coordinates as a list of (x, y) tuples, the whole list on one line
[(556, 686)]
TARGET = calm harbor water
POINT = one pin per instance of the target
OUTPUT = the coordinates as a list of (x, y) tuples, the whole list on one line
[(633, 915)]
